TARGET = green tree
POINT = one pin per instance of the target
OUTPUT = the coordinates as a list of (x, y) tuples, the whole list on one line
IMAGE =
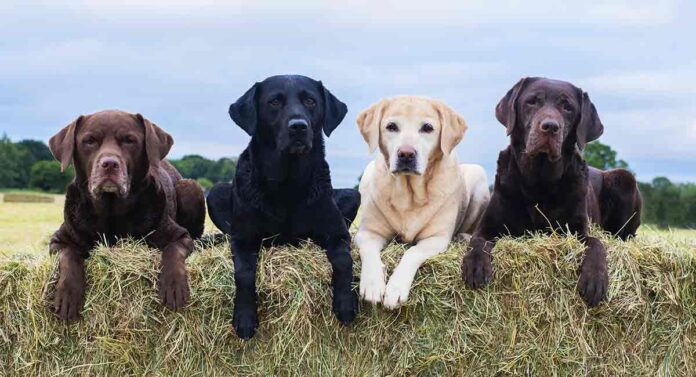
[(205, 183), (222, 170), (192, 166), (601, 156), (37, 149), (13, 172), (46, 176)]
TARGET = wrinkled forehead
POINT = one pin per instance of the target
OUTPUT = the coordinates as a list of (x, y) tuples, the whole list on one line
[(111, 122), (411, 109), (288, 85), (552, 88)]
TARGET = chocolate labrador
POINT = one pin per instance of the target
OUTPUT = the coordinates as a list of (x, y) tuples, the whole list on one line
[(282, 190), (542, 182), (123, 187)]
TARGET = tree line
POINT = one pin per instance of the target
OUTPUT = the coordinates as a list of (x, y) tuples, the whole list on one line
[(28, 164)]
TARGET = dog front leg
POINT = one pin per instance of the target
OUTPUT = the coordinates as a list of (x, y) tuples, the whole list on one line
[(593, 281), (345, 299), (70, 288), (173, 281), (399, 285), (245, 255), (477, 267), (372, 282)]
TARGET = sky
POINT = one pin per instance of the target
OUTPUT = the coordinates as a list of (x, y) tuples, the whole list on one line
[(181, 63)]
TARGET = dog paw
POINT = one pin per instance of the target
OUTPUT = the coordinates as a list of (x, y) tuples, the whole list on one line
[(345, 306), (593, 282), (174, 287), (245, 322), (396, 293), (372, 285), (69, 298), (477, 270)]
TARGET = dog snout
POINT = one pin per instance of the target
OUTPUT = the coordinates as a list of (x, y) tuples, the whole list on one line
[(550, 126), (298, 125), (109, 163), (406, 152)]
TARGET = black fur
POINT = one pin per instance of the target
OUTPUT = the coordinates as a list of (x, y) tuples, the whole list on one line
[(282, 189)]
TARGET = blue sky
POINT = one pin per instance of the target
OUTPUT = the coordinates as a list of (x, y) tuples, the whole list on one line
[(181, 63)]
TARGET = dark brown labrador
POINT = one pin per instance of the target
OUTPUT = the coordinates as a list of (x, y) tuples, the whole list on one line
[(123, 187), (542, 182)]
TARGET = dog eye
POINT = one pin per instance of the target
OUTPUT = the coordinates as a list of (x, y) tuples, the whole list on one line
[(427, 128), (310, 102), (89, 141), (128, 140), (392, 127), (533, 101), (275, 102), (566, 106)]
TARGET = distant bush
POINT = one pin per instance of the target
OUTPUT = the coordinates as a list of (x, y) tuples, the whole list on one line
[(46, 176), (194, 166), (205, 183)]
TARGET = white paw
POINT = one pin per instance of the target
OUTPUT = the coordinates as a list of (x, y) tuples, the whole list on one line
[(372, 284), (396, 293)]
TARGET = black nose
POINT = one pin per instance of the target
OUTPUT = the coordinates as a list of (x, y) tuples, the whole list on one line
[(550, 126), (298, 125)]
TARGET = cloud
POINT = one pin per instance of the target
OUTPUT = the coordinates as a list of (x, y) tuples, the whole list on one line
[(672, 81)]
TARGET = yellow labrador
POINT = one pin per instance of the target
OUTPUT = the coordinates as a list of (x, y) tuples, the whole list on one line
[(414, 190)]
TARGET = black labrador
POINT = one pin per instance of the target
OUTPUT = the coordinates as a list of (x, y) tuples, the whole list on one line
[(542, 182), (282, 193)]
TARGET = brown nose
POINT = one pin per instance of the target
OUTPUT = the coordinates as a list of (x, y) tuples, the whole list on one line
[(406, 151), (109, 163), (550, 127)]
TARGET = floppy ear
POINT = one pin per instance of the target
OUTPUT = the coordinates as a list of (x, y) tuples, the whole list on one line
[(334, 111), (368, 123), (62, 144), (505, 110), (157, 142), (243, 112), (453, 127), (589, 126)]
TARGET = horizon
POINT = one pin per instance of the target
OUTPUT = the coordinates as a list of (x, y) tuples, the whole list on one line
[(181, 64)]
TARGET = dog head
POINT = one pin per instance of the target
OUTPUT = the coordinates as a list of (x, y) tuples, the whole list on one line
[(547, 118), (411, 131), (110, 150), (288, 112)]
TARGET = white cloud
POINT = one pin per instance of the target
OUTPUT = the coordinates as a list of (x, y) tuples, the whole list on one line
[(675, 80), (386, 12)]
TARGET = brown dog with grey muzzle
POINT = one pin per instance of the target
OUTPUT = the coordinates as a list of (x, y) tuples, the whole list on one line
[(543, 183), (123, 187)]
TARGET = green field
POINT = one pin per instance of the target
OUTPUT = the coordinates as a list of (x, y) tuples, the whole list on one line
[(26, 227)]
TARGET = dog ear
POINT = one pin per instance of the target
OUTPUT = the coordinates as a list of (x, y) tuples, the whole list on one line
[(334, 111), (62, 144), (505, 110), (243, 112), (453, 127), (368, 123), (157, 142), (589, 126)]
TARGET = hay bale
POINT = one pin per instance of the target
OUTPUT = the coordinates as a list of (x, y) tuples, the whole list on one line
[(26, 197), (529, 321)]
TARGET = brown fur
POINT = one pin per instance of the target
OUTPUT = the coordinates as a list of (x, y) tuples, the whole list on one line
[(123, 188)]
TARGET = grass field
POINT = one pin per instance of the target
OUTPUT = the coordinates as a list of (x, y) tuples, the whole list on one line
[(529, 321)]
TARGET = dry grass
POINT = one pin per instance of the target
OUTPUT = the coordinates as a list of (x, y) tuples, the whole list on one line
[(529, 321)]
